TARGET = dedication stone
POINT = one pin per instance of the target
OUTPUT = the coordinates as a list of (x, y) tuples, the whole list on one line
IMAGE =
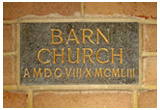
[(79, 53)]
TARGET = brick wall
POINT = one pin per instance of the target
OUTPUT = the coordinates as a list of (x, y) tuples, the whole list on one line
[(143, 95)]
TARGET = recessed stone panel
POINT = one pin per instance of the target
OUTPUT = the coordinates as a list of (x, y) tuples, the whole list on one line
[(79, 53)]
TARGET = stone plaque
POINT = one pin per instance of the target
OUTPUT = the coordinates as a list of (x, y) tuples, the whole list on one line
[(79, 53)]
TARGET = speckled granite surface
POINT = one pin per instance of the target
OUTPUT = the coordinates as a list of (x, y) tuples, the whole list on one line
[(37, 36)]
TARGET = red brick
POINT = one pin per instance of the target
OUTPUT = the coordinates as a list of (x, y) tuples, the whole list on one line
[(147, 99), (150, 70), (7, 38), (13, 10), (83, 100), (14, 100), (150, 38), (140, 9), (9, 74)]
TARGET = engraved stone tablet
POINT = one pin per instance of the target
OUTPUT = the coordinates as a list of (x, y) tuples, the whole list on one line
[(79, 53)]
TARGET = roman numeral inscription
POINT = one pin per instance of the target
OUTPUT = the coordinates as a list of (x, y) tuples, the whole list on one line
[(79, 53)]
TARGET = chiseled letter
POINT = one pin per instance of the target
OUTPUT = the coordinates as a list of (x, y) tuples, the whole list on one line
[(26, 73), (116, 55), (89, 56), (115, 73), (37, 73), (61, 55), (133, 72), (38, 55), (105, 72), (122, 73), (99, 32), (68, 72), (45, 72), (89, 36), (97, 73), (88, 72), (55, 72), (75, 37), (69, 56), (98, 58), (58, 36)]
